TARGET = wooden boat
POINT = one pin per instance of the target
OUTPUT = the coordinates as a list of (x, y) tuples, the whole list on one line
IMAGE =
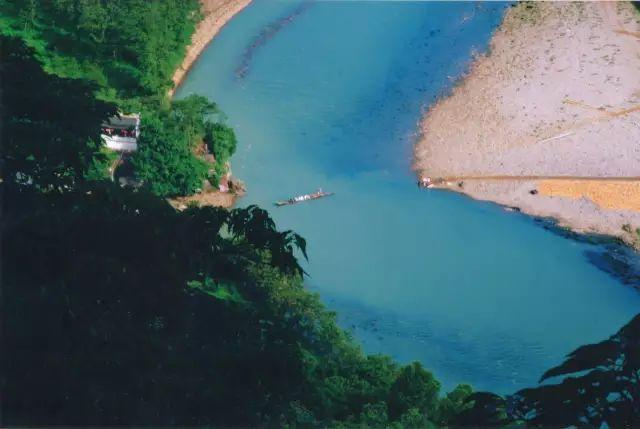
[(302, 198)]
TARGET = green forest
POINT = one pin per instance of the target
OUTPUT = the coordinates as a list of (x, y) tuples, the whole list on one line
[(120, 310), (127, 50)]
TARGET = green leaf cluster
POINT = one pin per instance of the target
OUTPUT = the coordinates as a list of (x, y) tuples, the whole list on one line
[(165, 158), (130, 48), (124, 52), (50, 125), (221, 141), (172, 143)]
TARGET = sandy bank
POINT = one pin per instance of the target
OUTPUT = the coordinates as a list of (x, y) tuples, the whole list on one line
[(558, 96), (214, 198), (216, 13)]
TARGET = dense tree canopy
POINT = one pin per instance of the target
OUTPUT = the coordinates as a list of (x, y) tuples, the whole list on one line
[(165, 158), (170, 139), (221, 141), (121, 310), (124, 52), (128, 47), (50, 125)]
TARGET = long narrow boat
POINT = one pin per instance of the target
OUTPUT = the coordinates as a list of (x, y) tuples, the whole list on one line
[(301, 198)]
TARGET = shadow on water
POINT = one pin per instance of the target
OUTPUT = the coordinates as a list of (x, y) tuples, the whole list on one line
[(447, 350), (265, 35), (609, 254)]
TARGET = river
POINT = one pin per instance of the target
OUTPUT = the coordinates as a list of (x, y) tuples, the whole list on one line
[(328, 94)]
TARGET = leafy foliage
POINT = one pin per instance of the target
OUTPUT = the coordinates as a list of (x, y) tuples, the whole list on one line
[(414, 389), (50, 125), (128, 47), (191, 114), (452, 405), (221, 141), (485, 409), (125, 52), (601, 387), (167, 158), (104, 328)]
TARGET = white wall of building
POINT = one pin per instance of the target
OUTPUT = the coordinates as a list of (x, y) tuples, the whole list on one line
[(125, 144)]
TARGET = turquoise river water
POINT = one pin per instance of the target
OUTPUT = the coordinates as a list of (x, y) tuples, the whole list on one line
[(328, 94)]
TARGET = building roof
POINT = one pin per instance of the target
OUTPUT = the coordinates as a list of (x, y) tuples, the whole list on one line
[(122, 121)]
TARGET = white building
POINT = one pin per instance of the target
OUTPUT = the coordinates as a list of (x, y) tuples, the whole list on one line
[(121, 132)]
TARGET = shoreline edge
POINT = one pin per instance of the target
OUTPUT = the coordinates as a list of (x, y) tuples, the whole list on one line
[(216, 14)]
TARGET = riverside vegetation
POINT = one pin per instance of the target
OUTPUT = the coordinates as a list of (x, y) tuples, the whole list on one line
[(129, 50), (120, 310)]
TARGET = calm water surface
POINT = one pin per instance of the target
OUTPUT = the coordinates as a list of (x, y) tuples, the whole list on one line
[(328, 94)]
